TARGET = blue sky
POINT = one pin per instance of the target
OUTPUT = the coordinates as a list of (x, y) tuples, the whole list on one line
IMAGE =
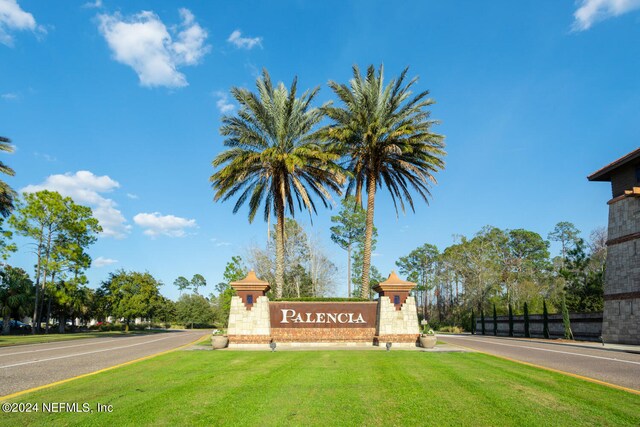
[(118, 105)]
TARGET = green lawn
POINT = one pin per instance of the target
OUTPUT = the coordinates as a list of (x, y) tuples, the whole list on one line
[(334, 388), (8, 340)]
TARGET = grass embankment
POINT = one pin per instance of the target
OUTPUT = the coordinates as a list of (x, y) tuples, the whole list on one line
[(334, 388), (9, 340)]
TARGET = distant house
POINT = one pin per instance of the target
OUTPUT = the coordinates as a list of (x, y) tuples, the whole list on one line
[(621, 317)]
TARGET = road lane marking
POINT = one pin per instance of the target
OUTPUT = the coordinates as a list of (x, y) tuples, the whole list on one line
[(549, 350), (76, 339), (30, 390), (546, 368), (83, 354), (102, 341)]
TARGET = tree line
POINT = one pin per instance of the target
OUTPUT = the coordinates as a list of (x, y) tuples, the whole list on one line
[(58, 297), (509, 270)]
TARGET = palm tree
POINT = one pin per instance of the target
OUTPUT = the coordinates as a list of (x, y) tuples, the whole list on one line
[(7, 194), (274, 157), (385, 135)]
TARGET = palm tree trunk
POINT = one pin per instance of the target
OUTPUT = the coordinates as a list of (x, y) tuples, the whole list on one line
[(279, 247), (349, 271), (6, 323), (368, 234)]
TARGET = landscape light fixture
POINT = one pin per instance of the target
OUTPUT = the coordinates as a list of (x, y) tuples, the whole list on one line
[(272, 344), (388, 345)]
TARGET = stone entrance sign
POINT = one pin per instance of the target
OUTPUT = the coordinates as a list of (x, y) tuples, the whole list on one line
[(254, 320), (294, 315), (323, 321)]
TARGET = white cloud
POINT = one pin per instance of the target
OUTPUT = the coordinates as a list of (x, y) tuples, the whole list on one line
[(97, 4), (223, 104), (156, 224), (592, 11), (190, 47), (132, 196), (11, 96), (103, 262), (12, 17), (144, 43), (84, 188), (220, 243), (244, 42), (45, 156)]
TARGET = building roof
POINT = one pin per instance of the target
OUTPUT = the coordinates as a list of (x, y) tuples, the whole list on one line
[(251, 283), (394, 283), (604, 174)]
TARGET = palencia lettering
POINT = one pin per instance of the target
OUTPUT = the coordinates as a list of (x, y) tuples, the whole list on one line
[(290, 315)]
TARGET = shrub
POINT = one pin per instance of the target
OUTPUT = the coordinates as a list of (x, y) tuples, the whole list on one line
[(473, 322), (565, 320), (451, 329), (545, 320), (527, 333), (510, 321)]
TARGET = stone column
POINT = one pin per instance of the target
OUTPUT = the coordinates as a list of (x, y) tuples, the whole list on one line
[(397, 313), (249, 315)]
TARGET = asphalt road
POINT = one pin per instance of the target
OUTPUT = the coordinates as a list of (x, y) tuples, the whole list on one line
[(26, 366), (613, 367)]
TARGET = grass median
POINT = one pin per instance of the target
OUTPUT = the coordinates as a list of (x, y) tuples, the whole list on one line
[(333, 388)]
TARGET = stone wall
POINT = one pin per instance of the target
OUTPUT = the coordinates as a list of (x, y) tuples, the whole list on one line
[(585, 326), (366, 335), (621, 321), (249, 325), (397, 325)]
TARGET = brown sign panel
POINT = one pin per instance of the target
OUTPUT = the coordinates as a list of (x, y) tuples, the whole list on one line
[(323, 314)]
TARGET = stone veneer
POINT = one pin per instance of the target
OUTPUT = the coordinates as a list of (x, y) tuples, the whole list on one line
[(249, 325), (318, 335), (398, 326), (621, 319)]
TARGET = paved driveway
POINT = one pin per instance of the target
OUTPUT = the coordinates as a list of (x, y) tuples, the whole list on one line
[(27, 366), (615, 367)]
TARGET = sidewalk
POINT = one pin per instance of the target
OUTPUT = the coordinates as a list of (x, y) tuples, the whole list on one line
[(627, 348)]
